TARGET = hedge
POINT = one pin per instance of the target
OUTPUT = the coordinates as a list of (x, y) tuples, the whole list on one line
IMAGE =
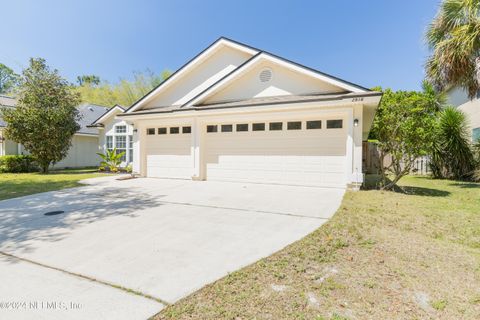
[(18, 163)]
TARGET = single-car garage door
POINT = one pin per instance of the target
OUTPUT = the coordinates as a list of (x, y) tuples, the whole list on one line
[(309, 152), (168, 152)]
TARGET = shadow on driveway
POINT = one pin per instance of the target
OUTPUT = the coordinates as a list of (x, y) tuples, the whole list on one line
[(23, 219)]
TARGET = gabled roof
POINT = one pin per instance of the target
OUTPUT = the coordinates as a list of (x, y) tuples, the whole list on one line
[(257, 56), (262, 56), (98, 121), (185, 68), (89, 112)]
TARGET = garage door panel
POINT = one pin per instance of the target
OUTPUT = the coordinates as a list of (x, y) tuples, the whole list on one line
[(302, 157), (168, 156)]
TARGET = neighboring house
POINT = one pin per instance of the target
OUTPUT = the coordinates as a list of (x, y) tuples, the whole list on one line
[(237, 113), (459, 98), (84, 143), (7, 146), (115, 133)]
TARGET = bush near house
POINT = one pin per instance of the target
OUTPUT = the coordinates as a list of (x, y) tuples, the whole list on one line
[(17, 164)]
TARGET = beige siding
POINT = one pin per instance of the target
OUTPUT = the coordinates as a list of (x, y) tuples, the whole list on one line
[(82, 153), (283, 82), (205, 74)]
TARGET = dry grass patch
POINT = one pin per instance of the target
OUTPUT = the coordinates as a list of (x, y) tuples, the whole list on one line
[(383, 255)]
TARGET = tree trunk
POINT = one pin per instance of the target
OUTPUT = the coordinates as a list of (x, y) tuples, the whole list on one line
[(44, 167)]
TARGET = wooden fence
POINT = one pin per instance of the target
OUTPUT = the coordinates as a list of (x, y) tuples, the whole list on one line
[(371, 161)]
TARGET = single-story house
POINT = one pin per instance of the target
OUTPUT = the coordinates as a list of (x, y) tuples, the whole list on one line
[(238, 113), (85, 142), (470, 107)]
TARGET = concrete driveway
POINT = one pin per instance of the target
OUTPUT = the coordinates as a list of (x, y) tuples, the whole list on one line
[(161, 238)]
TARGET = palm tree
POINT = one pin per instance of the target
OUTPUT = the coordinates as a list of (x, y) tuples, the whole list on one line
[(452, 156), (454, 37)]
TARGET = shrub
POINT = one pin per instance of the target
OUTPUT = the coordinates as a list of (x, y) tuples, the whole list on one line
[(452, 154), (18, 163), (129, 168)]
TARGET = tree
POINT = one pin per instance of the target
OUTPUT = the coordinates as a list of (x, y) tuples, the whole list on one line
[(452, 154), (8, 79), (90, 79), (125, 92), (454, 37), (46, 116), (404, 126)]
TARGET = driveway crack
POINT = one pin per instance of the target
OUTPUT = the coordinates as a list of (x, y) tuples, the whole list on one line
[(78, 275)]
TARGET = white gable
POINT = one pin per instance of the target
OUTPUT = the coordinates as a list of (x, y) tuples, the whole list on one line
[(206, 72), (269, 79)]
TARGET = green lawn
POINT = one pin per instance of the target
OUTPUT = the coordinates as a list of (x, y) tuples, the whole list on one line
[(383, 255), (21, 184)]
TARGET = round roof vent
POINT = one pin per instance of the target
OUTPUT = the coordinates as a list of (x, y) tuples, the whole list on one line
[(266, 75)]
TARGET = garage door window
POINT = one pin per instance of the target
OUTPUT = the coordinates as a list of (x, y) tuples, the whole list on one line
[(334, 124), (150, 131), (294, 125), (242, 127), (212, 128), (162, 130), (227, 128), (275, 126), (258, 127), (317, 124), (174, 130), (186, 129)]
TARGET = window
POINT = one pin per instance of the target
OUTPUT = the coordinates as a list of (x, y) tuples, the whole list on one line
[(258, 127), (130, 148), (120, 129), (150, 131), (186, 129), (274, 126), (334, 124), (174, 130), (242, 127), (162, 130), (294, 125), (120, 142), (476, 135), (316, 124), (227, 128), (212, 128), (121, 145), (109, 142)]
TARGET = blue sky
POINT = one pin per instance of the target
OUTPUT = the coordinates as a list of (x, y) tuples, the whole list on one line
[(371, 42)]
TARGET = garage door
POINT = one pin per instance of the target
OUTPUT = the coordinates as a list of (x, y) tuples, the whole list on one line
[(291, 152), (168, 153)]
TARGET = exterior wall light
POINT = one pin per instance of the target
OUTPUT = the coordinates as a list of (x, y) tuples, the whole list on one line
[(355, 122), (135, 130)]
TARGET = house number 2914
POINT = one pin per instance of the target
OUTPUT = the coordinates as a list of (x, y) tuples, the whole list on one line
[(357, 99)]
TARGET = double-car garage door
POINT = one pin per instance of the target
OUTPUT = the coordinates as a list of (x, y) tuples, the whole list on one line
[(294, 152)]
